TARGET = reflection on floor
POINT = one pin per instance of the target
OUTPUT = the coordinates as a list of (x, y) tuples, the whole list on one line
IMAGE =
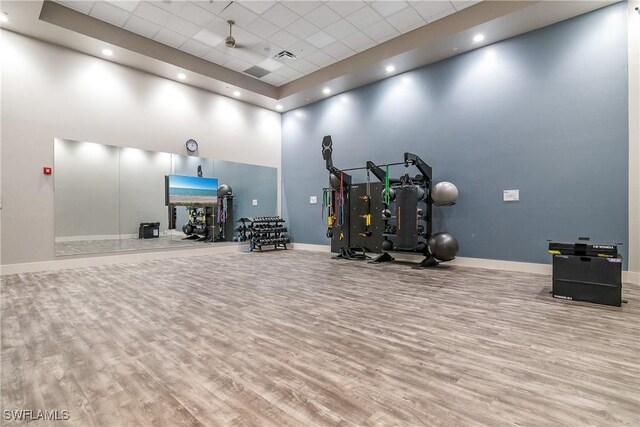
[(294, 338), (96, 246)]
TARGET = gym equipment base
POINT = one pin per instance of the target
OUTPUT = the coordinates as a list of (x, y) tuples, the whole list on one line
[(427, 262)]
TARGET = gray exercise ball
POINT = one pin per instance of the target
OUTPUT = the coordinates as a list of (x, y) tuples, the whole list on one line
[(387, 245), (444, 194), (224, 190), (443, 246)]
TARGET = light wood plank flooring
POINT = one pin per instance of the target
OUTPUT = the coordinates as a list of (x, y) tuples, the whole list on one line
[(295, 338)]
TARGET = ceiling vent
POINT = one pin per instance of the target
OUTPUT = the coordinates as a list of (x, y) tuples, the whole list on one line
[(257, 72), (284, 56)]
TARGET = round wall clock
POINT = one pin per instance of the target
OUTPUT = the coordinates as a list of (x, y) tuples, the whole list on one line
[(192, 145)]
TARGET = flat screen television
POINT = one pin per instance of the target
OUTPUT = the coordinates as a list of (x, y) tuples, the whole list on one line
[(183, 190)]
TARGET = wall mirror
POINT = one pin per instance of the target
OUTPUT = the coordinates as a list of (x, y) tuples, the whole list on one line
[(110, 198)]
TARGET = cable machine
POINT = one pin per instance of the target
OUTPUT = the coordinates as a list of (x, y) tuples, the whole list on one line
[(394, 214)]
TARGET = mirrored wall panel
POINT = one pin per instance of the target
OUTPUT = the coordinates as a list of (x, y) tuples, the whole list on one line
[(110, 198)]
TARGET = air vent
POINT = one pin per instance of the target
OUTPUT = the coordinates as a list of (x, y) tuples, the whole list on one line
[(284, 56), (257, 72)]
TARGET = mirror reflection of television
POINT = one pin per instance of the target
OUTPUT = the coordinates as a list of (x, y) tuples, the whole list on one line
[(181, 190)]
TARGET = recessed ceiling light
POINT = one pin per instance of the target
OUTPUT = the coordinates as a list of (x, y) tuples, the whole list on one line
[(478, 38), (279, 107), (4, 17), (107, 52), (326, 91), (390, 68), (236, 93), (182, 76)]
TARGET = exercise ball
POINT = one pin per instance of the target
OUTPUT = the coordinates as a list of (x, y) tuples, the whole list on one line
[(224, 190), (443, 246), (386, 213), (392, 194), (387, 245), (444, 194), (421, 247)]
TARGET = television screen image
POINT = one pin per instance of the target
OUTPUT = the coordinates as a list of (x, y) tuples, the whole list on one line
[(191, 190)]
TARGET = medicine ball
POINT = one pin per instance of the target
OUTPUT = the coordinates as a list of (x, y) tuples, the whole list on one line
[(224, 190), (443, 246), (392, 194), (387, 245), (421, 247), (187, 229), (386, 213), (334, 181), (444, 194)]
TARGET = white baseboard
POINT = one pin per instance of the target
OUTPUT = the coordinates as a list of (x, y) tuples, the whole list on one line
[(118, 258), (491, 264), (309, 247)]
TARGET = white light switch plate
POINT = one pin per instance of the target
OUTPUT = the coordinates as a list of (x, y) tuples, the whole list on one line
[(254, 202), (313, 200), (510, 195)]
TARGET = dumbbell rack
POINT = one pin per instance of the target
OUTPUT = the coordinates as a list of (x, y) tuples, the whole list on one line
[(267, 231)]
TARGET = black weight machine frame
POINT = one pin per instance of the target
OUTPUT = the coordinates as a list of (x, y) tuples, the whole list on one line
[(426, 181)]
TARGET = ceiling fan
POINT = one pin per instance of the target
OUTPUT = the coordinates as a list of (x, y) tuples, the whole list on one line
[(230, 41)]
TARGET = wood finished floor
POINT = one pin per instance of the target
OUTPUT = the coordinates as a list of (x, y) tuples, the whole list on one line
[(293, 338)]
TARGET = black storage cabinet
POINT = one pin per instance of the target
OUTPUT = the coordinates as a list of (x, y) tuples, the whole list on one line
[(149, 230), (588, 278)]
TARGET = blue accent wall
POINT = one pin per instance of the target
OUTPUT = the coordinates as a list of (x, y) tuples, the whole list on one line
[(544, 112)]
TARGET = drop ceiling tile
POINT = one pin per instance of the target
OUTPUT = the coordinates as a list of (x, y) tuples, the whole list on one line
[(283, 39), (208, 37), (411, 28), (263, 28), (274, 79), (219, 26), (289, 73), (270, 64), (303, 66), (172, 7), (153, 13), (320, 39), (182, 26), (80, 6), (345, 8), (381, 32), (141, 26), (364, 17), (302, 49), (237, 64), (240, 14), (459, 5), (218, 57), (109, 13), (215, 7), (195, 14), (258, 7), (302, 28), (129, 6), (195, 48), (406, 18), (301, 7), (266, 48), (169, 38), (338, 50), (386, 7), (359, 42), (322, 16), (432, 10), (320, 59), (280, 15), (340, 29)]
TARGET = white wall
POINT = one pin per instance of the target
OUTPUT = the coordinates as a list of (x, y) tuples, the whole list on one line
[(49, 91)]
